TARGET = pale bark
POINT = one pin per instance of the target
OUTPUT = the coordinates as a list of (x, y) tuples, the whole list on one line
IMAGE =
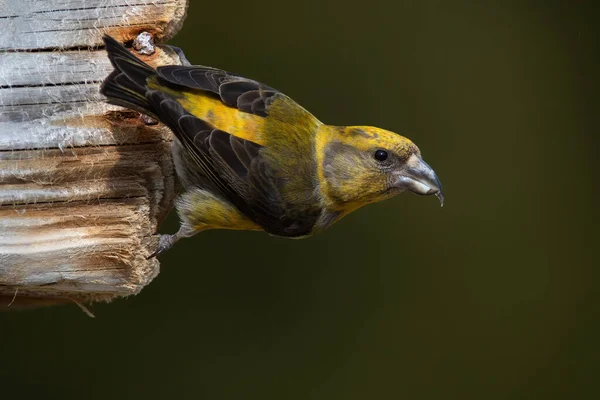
[(83, 185)]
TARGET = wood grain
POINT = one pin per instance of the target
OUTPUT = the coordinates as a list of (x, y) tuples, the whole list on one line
[(83, 184), (64, 24)]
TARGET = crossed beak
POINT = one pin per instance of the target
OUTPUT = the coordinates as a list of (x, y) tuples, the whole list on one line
[(419, 178)]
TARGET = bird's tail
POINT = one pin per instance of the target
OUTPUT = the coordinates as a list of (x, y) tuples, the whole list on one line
[(126, 85)]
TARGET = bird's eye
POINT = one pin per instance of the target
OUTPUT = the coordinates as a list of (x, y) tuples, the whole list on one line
[(381, 155)]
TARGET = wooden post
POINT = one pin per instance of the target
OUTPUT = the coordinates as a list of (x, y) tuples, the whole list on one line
[(83, 185)]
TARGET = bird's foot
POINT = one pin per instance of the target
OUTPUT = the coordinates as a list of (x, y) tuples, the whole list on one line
[(165, 242)]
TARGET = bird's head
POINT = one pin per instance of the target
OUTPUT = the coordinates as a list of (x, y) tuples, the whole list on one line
[(363, 164)]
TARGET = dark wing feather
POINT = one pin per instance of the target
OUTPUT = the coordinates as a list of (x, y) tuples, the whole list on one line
[(221, 146), (196, 77), (245, 94), (234, 167)]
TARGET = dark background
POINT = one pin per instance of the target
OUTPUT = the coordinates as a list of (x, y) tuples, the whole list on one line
[(491, 297)]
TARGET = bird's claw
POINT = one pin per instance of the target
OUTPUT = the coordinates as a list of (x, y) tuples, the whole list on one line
[(165, 242)]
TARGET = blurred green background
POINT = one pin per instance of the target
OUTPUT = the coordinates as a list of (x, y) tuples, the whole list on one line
[(490, 297)]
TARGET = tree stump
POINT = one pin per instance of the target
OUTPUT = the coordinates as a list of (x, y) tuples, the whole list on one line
[(83, 184)]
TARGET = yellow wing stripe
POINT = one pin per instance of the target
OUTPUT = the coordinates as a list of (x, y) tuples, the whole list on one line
[(212, 110), (221, 116)]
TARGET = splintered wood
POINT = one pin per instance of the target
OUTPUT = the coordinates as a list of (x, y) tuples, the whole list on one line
[(83, 185)]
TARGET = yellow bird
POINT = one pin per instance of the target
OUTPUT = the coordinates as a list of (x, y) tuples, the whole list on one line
[(251, 158)]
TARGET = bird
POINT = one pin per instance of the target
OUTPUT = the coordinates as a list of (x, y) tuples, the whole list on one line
[(250, 158)]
